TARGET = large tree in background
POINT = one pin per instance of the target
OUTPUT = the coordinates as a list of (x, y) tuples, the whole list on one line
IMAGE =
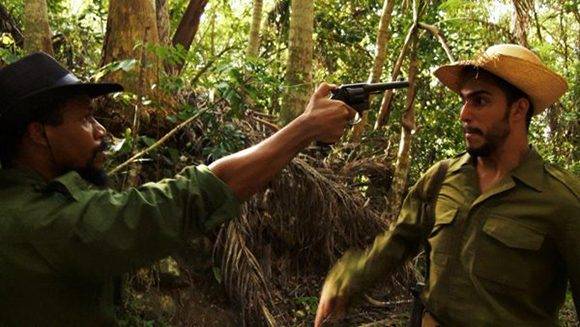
[(254, 43), (131, 23), (187, 28), (163, 21), (299, 66), (36, 29)]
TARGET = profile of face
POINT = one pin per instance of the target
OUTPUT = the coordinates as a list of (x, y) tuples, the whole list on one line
[(79, 142), (484, 115)]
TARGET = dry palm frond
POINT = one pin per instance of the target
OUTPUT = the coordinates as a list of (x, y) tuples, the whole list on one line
[(306, 219), (309, 218), (242, 273)]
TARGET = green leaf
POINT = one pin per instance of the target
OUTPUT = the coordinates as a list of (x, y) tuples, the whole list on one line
[(217, 274)]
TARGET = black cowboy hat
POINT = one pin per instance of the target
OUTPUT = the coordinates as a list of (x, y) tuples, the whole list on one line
[(36, 79)]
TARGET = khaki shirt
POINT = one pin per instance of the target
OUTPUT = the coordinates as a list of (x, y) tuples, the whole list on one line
[(62, 242), (502, 258)]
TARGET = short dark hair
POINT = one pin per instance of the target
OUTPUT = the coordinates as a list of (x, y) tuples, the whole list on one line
[(48, 113), (511, 92)]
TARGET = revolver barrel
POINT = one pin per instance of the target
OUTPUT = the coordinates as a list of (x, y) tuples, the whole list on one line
[(357, 95), (380, 87)]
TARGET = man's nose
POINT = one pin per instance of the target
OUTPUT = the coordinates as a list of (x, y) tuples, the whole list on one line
[(465, 115), (100, 130)]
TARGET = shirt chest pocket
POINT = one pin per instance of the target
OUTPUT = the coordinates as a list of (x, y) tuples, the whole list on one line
[(509, 252), (443, 234)]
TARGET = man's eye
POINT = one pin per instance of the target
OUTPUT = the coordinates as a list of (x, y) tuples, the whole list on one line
[(478, 101)]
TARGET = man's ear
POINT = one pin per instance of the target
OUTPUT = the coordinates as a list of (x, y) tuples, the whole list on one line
[(520, 109), (37, 133)]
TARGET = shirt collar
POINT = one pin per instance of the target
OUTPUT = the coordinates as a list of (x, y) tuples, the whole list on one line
[(463, 160), (21, 176), (530, 171), (71, 181)]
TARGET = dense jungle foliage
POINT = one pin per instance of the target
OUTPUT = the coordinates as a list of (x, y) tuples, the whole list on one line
[(236, 99)]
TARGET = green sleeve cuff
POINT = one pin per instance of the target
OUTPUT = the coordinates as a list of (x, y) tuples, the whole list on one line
[(223, 203)]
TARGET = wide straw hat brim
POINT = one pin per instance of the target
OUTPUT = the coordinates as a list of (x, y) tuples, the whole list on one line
[(543, 86)]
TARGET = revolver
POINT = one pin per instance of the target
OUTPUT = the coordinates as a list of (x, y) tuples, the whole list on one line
[(357, 95)]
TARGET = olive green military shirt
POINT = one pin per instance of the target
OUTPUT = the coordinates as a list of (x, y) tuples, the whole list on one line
[(501, 258), (62, 242)]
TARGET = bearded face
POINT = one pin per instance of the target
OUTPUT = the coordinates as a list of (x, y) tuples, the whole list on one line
[(78, 142), (93, 172), (485, 115), (491, 139)]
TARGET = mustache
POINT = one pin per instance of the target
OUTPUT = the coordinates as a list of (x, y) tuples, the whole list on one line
[(472, 130), (104, 146)]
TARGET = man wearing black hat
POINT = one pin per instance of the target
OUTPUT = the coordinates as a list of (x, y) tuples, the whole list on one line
[(63, 239)]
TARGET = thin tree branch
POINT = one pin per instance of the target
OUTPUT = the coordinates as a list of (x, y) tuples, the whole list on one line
[(266, 123), (7, 24), (506, 32), (159, 142), (209, 64), (384, 304), (440, 37), (384, 112)]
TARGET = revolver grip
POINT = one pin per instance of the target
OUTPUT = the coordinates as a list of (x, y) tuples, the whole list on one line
[(357, 99)]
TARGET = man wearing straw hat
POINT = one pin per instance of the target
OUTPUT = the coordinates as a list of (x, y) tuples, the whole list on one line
[(63, 239), (505, 230)]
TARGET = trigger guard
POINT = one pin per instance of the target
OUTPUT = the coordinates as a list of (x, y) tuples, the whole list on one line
[(356, 120)]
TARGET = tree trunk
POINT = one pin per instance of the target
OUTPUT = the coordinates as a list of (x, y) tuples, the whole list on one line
[(402, 165), (522, 9), (163, 21), (131, 23), (187, 28), (36, 29), (299, 66), (254, 44), (385, 110), (383, 37)]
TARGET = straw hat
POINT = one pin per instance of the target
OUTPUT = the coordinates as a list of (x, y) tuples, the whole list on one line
[(516, 65)]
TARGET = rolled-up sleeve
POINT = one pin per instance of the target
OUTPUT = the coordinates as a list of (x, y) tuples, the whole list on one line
[(103, 232)]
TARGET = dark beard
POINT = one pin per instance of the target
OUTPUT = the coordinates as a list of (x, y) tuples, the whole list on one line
[(96, 176), (493, 139)]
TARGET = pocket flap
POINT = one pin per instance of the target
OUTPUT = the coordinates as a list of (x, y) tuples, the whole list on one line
[(513, 234), (446, 217)]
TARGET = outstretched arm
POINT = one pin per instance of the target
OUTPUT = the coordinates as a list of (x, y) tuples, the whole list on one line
[(357, 271), (250, 170)]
